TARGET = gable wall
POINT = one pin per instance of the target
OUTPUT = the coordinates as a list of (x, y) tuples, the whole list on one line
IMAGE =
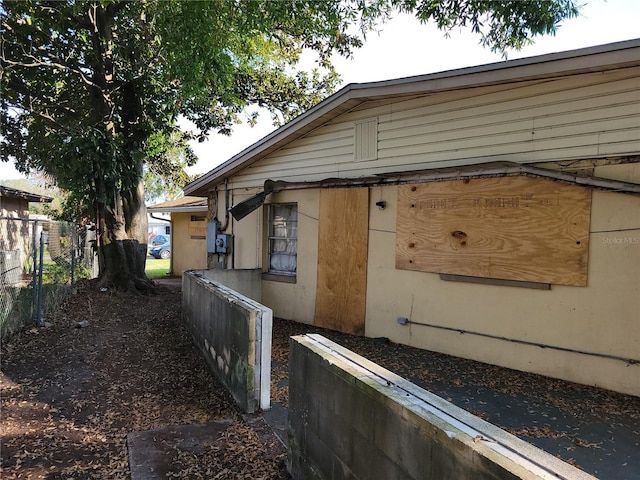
[(584, 116)]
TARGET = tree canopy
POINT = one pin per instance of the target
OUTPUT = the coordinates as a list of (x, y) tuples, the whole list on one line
[(92, 90)]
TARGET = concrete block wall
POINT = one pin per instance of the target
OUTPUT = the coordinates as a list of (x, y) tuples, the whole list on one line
[(247, 282), (351, 419), (234, 334)]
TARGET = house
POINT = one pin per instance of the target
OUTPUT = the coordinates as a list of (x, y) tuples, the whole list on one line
[(15, 203), (188, 227), (490, 212), (17, 230), (159, 225)]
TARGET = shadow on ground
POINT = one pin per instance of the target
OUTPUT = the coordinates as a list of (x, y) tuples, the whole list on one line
[(70, 396)]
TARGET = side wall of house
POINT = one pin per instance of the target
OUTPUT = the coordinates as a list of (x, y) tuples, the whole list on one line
[(579, 118), (602, 318), (189, 252), (297, 301)]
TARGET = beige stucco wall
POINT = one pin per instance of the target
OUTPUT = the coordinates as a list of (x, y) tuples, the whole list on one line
[(602, 318), (187, 253), (293, 301), (297, 301), (13, 207)]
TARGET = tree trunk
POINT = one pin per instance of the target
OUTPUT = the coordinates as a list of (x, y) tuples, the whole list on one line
[(121, 214), (124, 245)]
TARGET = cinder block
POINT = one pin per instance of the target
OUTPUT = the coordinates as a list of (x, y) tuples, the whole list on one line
[(224, 325), (377, 425)]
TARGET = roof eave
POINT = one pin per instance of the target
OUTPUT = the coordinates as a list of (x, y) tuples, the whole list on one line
[(195, 208), (21, 194), (592, 59)]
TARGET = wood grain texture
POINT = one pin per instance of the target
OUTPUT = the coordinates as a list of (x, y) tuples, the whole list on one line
[(514, 228), (343, 237)]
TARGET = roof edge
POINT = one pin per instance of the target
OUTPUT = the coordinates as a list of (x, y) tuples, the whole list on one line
[(30, 197), (596, 58)]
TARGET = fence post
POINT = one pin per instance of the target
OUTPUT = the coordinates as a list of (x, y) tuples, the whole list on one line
[(35, 254), (74, 236), (39, 314)]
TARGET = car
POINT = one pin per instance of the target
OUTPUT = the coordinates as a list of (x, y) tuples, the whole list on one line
[(161, 251), (159, 240)]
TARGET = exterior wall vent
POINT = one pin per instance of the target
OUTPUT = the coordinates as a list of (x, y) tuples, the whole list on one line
[(366, 140)]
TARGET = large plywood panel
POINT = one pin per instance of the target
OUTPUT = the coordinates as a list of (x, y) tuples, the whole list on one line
[(343, 235), (514, 228)]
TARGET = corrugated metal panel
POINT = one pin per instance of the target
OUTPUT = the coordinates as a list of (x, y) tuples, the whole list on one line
[(583, 116)]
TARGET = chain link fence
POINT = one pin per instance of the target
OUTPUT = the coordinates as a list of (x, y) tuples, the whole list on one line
[(40, 261)]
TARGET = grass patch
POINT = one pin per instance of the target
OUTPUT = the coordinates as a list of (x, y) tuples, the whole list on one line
[(157, 268)]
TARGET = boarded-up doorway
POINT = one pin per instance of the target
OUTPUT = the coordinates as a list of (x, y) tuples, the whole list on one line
[(343, 238)]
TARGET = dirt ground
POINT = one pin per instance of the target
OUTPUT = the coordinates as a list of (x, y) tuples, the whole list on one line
[(70, 395)]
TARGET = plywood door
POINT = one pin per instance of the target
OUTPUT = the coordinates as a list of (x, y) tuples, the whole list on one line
[(343, 237)]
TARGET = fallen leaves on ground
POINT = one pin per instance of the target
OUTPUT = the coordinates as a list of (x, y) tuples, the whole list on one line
[(70, 396)]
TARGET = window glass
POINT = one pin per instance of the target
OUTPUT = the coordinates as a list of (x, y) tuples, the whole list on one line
[(282, 241)]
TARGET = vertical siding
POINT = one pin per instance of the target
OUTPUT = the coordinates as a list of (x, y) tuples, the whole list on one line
[(591, 115)]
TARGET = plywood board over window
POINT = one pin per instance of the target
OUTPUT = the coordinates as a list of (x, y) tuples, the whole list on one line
[(198, 227), (514, 228)]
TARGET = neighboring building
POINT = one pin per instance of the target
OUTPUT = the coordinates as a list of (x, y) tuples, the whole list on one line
[(188, 232), (491, 213), (159, 225), (15, 203), (17, 229)]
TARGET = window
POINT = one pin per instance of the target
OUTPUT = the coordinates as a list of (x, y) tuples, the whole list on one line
[(282, 239)]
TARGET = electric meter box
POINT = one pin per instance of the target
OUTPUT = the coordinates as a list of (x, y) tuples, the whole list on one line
[(224, 243)]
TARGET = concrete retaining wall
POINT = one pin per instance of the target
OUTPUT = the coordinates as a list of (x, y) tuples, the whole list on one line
[(234, 334), (247, 282), (350, 418)]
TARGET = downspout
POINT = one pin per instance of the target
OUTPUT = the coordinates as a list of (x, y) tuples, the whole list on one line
[(226, 205)]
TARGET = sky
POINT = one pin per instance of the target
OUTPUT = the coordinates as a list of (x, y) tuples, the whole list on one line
[(405, 47)]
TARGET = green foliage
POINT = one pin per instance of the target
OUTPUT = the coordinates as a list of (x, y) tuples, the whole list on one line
[(92, 90), (501, 25), (61, 274), (165, 176)]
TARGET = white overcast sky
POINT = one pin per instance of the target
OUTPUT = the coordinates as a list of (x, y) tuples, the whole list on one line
[(405, 47)]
